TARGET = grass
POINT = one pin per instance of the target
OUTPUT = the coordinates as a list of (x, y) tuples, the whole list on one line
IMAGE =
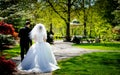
[(99, 63), (12, 52), (101, 46)]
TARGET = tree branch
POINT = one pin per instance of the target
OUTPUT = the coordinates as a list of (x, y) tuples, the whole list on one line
[(56, 10)]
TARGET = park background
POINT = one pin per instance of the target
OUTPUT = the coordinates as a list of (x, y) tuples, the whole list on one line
[(89, 19)]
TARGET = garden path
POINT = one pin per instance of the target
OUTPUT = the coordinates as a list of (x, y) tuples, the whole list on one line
[(61, 50)]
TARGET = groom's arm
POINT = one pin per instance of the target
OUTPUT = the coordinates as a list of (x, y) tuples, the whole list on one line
[(19, 34)]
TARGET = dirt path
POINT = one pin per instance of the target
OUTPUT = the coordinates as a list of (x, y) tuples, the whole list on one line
[(64, 50)]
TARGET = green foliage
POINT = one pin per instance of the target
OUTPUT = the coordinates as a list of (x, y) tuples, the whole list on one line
[(16, 11), (105, 9), (100, 46), (7, 3), (116, 31), (16, 20), (8, 7), (117, 17), (117, 37), (12, 52), (7, 39), (101, 15), (98, 27), (103, 63)]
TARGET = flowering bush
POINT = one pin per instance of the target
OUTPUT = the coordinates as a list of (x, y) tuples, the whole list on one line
[(7, 29), (7, 67), (7, 34)]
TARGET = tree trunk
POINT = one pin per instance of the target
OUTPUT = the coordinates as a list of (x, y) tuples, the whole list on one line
[(85, 18), (67, 21), (68, 38), (90, 35)]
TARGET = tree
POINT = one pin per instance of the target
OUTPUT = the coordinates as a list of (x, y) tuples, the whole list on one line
[(65, 8), (116, 13), (59, 13), (7, 7), (105, 9)]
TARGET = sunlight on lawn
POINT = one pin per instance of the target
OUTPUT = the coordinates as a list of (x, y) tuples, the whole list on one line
[(100, 46), (91, 64)]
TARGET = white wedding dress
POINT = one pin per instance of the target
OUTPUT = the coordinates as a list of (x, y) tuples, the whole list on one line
[(40, 57)]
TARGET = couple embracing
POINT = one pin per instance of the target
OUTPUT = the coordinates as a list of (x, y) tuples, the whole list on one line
[(39, 57)]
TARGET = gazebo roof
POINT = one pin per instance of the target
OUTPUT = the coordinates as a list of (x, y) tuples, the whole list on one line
[(75, 22)]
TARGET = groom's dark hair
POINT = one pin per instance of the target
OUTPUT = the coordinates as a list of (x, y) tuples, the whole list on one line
[(27, 22)]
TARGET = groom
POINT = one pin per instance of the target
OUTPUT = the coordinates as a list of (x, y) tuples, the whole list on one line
[(25, 41)]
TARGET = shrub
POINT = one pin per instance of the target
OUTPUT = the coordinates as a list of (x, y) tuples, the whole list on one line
[(7, 39), (6, 28), (7, 67)]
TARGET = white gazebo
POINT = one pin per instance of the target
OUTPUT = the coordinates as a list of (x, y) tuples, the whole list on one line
[(75, 23)]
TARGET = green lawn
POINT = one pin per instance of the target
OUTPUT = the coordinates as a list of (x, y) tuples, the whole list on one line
[(101, 46), (12, 52), (99, 63), (107, 63)]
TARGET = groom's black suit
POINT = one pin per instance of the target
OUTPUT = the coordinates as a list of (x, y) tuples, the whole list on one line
[(25, 41)]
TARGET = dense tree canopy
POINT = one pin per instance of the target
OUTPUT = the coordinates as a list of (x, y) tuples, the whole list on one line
[(105, 9), (96, 17)]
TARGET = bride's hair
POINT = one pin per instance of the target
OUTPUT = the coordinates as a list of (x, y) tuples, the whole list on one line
[(40, 27), (38, 30)]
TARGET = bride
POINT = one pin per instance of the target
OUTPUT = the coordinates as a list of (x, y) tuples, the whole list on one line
[(40, 57)]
